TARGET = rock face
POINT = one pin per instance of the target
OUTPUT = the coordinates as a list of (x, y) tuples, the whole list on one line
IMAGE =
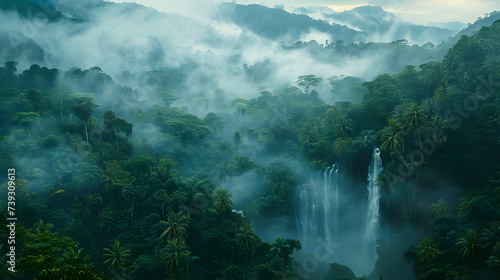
[(339, 272)]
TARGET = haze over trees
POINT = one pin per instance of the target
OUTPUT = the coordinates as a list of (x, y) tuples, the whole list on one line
[(189, 163)]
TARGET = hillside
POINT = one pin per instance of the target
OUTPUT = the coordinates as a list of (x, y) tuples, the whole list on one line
[(147, 145)]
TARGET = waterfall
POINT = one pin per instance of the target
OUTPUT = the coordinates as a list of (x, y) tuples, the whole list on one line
[(318, 208), (334, 224), (335, 180), (326, 205), (372, 215)]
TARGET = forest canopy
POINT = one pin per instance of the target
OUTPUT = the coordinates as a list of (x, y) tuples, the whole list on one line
[(110, 184)]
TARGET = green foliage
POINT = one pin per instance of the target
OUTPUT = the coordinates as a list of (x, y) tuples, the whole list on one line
[(439, 208), (113, 124), (470, 247), (175, 254), (116, 256), (307, 81), (222, 202), (176, 227), (96, 181), (339, 272), (246, 237), (427, 251), (283, 248)]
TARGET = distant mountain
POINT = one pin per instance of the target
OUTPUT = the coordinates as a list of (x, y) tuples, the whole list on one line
[(14, 45), (371, 11), (478, 24), (278, 24), (32, 9), (454, 25), (378, 25)]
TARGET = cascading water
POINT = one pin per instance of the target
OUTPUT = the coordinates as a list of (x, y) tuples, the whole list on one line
[(334, 224), (318, 211), (335, 181), (372, 215)]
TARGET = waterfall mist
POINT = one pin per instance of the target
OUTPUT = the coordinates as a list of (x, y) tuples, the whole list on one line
[(334, 224), (372, 215)]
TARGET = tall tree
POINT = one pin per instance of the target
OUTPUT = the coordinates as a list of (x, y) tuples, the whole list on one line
[(27, 119), (427, 250), (342, 127), (470, 247), (415, 116), (176, 255), (435, 130), (176, 227), (116, 255), (307, 135), (307, 81), (83, 110), (162, 196), (222, 202), (246, 237), (439, 208)]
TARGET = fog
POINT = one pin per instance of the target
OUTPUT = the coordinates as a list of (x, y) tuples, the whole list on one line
[(210, 52), (207, 63)]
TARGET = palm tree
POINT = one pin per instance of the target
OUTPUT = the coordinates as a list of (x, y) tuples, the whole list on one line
[(224, 170), (176, 227), (427, 251), (282, 180), (430, 107), (439, 208), (113, 175), (72, 253), (491, 64), (443, 90), (393, 138), (340, 146), (468, 78), (398, 115), (435, 130), (415, 116), (242, 164), (246, 237), (450, 61), (342, 127), (491, 234), (42, 229), (433, 76), (116, 255), (307, 135), (175, 255), (470, 246), (222, 202)]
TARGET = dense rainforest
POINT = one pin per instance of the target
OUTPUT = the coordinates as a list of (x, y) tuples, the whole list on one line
[(109, 185)]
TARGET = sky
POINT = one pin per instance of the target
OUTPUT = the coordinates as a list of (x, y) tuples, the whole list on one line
[(421, 11)]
